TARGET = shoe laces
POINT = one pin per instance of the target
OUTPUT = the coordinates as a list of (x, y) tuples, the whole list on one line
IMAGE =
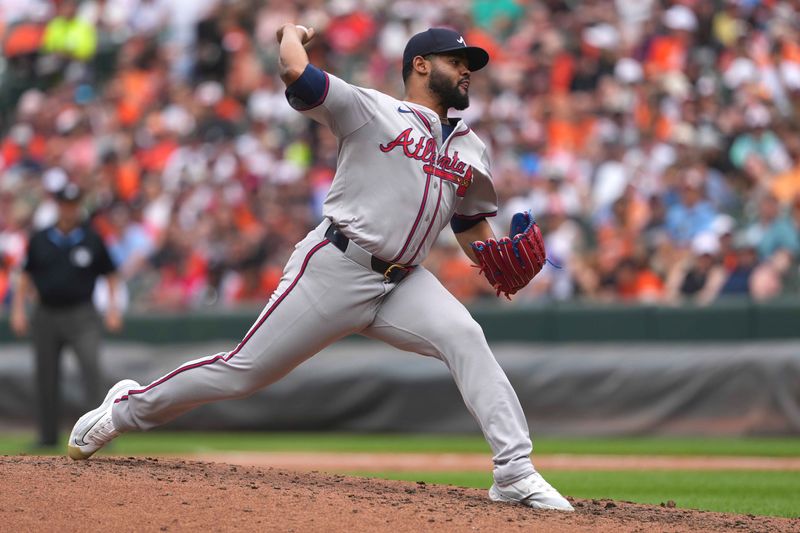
[(536, 484)]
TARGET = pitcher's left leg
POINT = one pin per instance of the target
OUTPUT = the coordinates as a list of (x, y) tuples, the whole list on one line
[(420, 315)]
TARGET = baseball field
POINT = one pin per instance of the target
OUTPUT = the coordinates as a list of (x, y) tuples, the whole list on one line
[(179, 481)]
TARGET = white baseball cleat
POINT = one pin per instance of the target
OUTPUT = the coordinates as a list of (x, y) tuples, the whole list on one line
[(95, 429), (532, 491)]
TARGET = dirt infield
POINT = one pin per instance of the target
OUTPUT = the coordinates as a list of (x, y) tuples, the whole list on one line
[(118, 494)]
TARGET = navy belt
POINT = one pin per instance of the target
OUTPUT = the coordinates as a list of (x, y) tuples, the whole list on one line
[(391, 272)]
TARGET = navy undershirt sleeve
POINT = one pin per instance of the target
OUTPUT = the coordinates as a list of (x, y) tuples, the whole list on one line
[(308, 90), (461, 224)]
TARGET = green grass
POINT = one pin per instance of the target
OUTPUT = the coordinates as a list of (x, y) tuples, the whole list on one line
[(158, 442), (192, 442), (760, 493)]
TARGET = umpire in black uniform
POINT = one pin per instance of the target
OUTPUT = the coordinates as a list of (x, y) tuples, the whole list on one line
[(62, 264)]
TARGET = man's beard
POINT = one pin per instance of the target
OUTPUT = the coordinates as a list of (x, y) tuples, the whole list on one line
[(448, 93)]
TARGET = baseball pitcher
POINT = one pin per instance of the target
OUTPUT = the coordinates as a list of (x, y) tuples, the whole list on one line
[(405, 171)]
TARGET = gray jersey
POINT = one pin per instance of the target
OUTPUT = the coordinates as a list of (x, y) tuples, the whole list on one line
[(398, 183)]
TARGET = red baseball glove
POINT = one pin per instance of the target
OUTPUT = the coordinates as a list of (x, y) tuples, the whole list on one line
[(511, 263)]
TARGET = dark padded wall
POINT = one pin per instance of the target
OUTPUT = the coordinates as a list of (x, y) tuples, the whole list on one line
[(742, 388)]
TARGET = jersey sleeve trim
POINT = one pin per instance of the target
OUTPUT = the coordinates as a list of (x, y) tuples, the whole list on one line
[(460, 225), (309, 90), (476, 216)]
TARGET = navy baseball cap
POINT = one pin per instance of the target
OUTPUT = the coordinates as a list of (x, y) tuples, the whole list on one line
[(69, 193), (441, 40)]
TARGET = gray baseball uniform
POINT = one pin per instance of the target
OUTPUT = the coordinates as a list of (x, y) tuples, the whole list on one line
[(398, 184)]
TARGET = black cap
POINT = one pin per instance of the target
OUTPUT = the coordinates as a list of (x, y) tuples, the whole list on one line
[(69, 193), (441, 40)]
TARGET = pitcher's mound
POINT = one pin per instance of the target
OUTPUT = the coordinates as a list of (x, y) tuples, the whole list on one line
[(114, 494)]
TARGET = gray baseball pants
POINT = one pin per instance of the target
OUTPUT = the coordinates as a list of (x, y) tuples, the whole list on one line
[(324, 296)]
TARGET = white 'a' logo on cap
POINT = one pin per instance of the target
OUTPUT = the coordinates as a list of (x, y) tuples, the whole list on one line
[(461, 40)]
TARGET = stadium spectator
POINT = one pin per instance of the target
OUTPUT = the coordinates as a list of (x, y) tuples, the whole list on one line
[(758, 150), (68, 35), (773, 230), (635, 281), (737, 282), (770, 279), (698, 277), (786, 186), (691, 216)]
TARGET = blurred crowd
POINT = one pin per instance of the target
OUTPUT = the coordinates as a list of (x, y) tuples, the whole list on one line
[(656, 143)]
